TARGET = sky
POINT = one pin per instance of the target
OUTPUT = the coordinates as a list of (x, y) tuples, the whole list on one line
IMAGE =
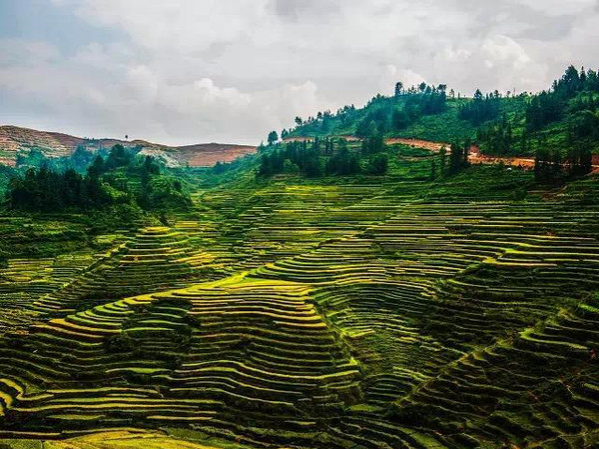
[(191, 71)]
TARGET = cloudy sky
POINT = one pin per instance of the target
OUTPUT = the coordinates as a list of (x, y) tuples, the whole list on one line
[(187, 71)]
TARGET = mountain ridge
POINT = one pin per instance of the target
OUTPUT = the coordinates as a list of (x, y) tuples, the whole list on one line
[(15, 140)]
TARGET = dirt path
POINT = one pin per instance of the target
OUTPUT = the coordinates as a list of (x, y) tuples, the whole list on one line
[(475, 157), (417, 143)]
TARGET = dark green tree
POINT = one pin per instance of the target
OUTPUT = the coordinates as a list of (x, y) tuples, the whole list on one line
[(273, 137)]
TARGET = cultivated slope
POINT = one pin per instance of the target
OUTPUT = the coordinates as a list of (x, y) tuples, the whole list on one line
[(320, 316)]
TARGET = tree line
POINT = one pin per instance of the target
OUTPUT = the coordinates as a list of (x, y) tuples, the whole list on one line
[(406, 107), (381, 114), (453, 163), (45, 190), (119, 178), (482, 108), (551, 167), (552, 105), (324, 157), (573, 100)]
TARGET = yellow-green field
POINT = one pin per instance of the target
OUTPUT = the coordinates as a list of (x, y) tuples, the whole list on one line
[(381, 313), (109, 440)]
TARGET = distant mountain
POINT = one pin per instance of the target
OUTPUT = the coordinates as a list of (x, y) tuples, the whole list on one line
[(14, 139)]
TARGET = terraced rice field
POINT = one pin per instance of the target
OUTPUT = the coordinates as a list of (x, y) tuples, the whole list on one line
[(314, 316)]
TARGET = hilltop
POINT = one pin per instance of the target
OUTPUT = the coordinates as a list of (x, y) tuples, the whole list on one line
[(563, 117), (15, 141)]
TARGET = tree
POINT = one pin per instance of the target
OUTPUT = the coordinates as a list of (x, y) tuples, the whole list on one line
[(481, 109), (497, 137), (400, 119), (455, 158), (96, 168), (548, 167), (378, 164), (467, 145), (433, 170), (373, 144), (148, 168), (106, 184), (398, 88), (443, 154), (367, 127), (298, 121), (272, 137), (343, 163), (118, 157), (81, 159)]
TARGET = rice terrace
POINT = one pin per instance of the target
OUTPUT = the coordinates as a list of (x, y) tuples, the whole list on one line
[(420, 271)]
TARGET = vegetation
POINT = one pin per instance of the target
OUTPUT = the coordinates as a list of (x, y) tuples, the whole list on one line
[(121, 178), (334, 157), (481, 109), (324, 293), (381, 115), (562, 117), (551, 168)]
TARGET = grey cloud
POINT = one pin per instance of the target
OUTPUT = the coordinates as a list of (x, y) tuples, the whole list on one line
[(186, 71), (296, 10)]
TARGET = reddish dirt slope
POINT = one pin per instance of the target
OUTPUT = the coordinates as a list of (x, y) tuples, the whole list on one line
[(13, 139), (211, 153), (200, 155), (417, 143), (475, 157)]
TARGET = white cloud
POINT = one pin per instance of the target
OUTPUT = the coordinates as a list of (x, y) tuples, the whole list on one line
[(186, 71), (142, 83), (559, 7), (392, 74), (500, 50)]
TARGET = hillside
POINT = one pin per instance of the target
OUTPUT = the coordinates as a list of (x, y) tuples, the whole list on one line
[(335, 312), (563, 117), (354, 288), (15, 140)]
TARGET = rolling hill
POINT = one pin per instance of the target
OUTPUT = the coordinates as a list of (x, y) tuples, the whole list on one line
[(15, 140), (310, 297)]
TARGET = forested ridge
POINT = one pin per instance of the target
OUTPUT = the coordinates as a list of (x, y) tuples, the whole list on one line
[(501, 124), (558, 127)]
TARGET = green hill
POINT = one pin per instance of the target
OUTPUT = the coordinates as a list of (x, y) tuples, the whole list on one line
[(331, 294), (562, 116)]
